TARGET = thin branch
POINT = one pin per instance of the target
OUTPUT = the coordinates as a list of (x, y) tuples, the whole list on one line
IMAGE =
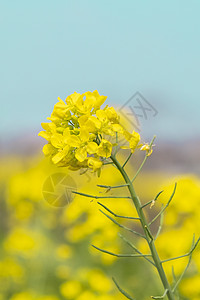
[(82, 172), (160, 297), (118, 216), (189, 261), (174, 282), (162, 210), (120, 255), (152, 201), (149, 232), (134, 248), (184, 255), (138, 171), (116, 141), (109, 187), (121, 290), (112, 187), (127, 159), (173, 274), (99, 197), (108, 163), (183, 273), (122, 226), (160, 225), (142, 164)]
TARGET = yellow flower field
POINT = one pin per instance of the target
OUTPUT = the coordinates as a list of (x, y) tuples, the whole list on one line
[(46, 252)]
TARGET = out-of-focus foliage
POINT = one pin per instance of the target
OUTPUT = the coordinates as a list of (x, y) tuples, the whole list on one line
[(46, 252)]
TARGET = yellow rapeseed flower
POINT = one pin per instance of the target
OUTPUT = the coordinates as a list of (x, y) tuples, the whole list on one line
[(80, 132), (133, 140)]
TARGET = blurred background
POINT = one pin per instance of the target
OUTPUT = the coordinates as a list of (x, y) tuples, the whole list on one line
[(145, 57)]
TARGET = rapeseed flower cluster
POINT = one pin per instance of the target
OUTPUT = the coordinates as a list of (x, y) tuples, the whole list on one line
[(81, 134)]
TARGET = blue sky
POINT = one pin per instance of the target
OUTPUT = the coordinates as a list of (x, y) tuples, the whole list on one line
[(53, 48)]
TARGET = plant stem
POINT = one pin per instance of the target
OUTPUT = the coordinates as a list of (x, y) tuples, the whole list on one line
[(146, 229)]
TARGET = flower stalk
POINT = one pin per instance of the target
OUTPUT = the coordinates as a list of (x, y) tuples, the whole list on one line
[(145, 226)]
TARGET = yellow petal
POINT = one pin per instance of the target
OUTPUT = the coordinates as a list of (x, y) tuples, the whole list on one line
[(48, 149), (46, 135), (127, 135), (117, 128), (82, 120), (84, 134), (111, 114), (101, 115), (95, 121), (99, 99), (60, 155), (133, 142), (81, 154), (89, 101), (90, 126), (57, 140), (66, 135), (73, 141), (94, 163), (48, 126), (92, 147), (61, 101), (105, 148)]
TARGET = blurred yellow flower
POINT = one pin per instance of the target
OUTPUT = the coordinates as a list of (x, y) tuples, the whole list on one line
[(9, 268), (63, 251), (86, 295), (104, 284), (63, 272), (23, 296), (190, 287), (48, 297), (24, 242), (70, 289)]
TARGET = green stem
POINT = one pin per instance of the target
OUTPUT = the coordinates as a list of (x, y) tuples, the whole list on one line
[(138, 171), (147, 155), (146, 229)]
